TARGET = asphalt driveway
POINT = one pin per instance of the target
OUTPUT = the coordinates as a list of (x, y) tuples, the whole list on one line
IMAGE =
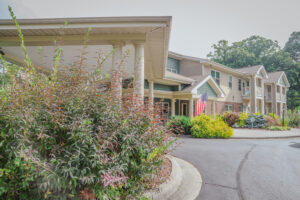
[(238, 169)]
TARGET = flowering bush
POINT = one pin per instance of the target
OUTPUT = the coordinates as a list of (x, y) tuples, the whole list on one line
[(242, 118), (180, 125), (205, 126), (70, 137), (231, 118)]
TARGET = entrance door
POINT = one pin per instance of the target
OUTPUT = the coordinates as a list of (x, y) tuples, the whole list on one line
[(183, 106)]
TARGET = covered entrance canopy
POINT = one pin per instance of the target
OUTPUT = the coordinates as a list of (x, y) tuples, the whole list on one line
[(144, 38)]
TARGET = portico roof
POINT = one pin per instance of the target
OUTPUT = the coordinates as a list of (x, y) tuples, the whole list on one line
[(153, 31)]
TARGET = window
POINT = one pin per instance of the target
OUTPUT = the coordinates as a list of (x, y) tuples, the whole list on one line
[(228, 107), (173, 65), (216, 76), (278, 89), (248, 83), (283, 91), (240, 84), (230, 82)]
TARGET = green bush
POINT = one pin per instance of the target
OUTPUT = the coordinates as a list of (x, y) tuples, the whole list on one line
[(294, 119), (242, 118), (204, 126), (70, 137), (180, 125), (278, 128), (231, 118), (259, 121)]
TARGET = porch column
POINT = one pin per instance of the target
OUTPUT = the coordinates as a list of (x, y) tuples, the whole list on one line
[(139, 73), (151, 95), (191, 108), (173, 107), (263, 99), (253, 94), (116, 81)]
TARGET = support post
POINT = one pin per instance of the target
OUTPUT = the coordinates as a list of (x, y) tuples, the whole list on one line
[(191, 108), (116, 81), (173, 107), (214, 109), (151, 93), (139, 73)]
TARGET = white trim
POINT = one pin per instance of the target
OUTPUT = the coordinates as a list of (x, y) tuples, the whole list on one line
[(285, 80), (265, 72), (209, 77)]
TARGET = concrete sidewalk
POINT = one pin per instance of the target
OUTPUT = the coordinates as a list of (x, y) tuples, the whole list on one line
[(243, 133)]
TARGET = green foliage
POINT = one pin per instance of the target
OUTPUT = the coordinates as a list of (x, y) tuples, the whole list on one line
[(257, 50), (180, 125), (278, 128), (242, 118), (294, 119), (293, 46), (231, 118), (67, 136), (204, 126), (259, 121)]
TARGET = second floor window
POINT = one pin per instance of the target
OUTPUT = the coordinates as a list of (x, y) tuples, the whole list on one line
[(230, 82), (240, 84), (216, 76)]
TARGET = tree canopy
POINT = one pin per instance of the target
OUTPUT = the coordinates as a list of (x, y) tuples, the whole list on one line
[(257, 50)]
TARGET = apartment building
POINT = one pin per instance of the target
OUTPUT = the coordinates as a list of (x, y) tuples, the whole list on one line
[(169, 79), (247, 89)]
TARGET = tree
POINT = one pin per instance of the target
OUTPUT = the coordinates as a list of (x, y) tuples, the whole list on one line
[(293, 46), (257, 50)]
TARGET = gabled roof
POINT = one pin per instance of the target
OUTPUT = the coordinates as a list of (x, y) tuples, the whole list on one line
[(249, 69), (274, 77), (199, 81)]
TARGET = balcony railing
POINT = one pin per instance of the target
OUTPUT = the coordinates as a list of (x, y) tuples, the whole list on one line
[(278, 96), (283, 97), (246, 92), (259, 92), (268, 96)]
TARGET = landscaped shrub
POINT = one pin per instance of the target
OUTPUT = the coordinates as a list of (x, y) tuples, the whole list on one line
[(180, 125), (70, 137), (278, 128), (231, 118), (242, 118), (294, 119), (272, 121), (204, 126), (259, 121)]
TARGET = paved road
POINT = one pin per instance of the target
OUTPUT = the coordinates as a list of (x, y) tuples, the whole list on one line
[(238, 169)]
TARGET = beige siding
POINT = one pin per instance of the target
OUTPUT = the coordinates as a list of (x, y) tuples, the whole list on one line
[(190, 68), (231, 95)]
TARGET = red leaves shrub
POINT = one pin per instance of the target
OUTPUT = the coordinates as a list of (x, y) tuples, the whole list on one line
[(231, 118), (272, 121)]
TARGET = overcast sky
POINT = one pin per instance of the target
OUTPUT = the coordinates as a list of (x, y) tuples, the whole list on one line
[(196, 25)]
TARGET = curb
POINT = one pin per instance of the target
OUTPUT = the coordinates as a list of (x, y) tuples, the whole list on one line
[(266, 137), (185, 182)]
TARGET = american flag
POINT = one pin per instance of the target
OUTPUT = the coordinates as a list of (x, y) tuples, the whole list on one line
[(200, 104)]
